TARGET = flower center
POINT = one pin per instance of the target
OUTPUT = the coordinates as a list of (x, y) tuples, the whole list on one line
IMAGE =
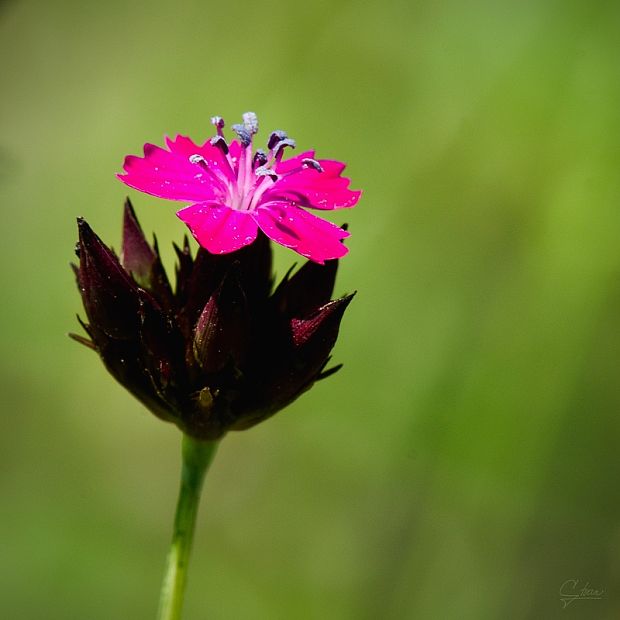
[(247, 180)]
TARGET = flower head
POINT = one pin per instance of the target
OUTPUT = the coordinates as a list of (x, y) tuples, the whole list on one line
[(233, 192), (222, 351)]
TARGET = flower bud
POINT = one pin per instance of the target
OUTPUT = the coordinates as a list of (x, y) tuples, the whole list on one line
[(222, 352)]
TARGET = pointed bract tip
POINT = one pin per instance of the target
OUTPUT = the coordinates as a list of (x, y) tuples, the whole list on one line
[(309, 288), (137, 256), (329, 372), (322, 327), (85, 341), (128, 208), (86, 235)]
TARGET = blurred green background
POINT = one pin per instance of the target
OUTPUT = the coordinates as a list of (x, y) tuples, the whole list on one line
[(465, 462)]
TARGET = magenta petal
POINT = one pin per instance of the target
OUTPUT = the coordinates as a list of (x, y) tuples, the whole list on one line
[(171, 188), (310, 188), (310, 236), (292, 163), (169, 173), (213, 155), (219, 229)]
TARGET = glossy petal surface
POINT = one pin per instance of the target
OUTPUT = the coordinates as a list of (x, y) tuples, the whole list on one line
[(170, 174), (310, 236), (218, 228), (311, 188)]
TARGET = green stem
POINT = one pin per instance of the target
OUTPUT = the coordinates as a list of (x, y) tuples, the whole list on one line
[(197, 456)]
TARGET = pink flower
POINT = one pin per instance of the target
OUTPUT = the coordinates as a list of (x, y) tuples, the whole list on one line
[(233, 192)]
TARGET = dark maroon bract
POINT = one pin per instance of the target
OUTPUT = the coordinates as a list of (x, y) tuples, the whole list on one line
[(222, 351)]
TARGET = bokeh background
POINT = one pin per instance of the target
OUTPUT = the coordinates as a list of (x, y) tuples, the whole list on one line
[(465, 462)]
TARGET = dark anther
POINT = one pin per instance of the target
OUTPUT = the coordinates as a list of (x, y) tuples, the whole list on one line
[(307, 162), (276, 137), (218, 121), (266, 172), (260, 159), (220, 143), (283, 143), (244, 135)]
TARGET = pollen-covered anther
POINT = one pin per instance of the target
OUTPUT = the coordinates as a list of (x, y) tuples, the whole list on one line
[(275, 137), (308, 162), (244, 135), (260, 159), (199, 160), (220, 143), (263, 171), (282, 144), (250, 122)]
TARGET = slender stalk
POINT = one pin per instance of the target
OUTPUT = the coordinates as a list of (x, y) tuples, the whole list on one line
[(197, 456)]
